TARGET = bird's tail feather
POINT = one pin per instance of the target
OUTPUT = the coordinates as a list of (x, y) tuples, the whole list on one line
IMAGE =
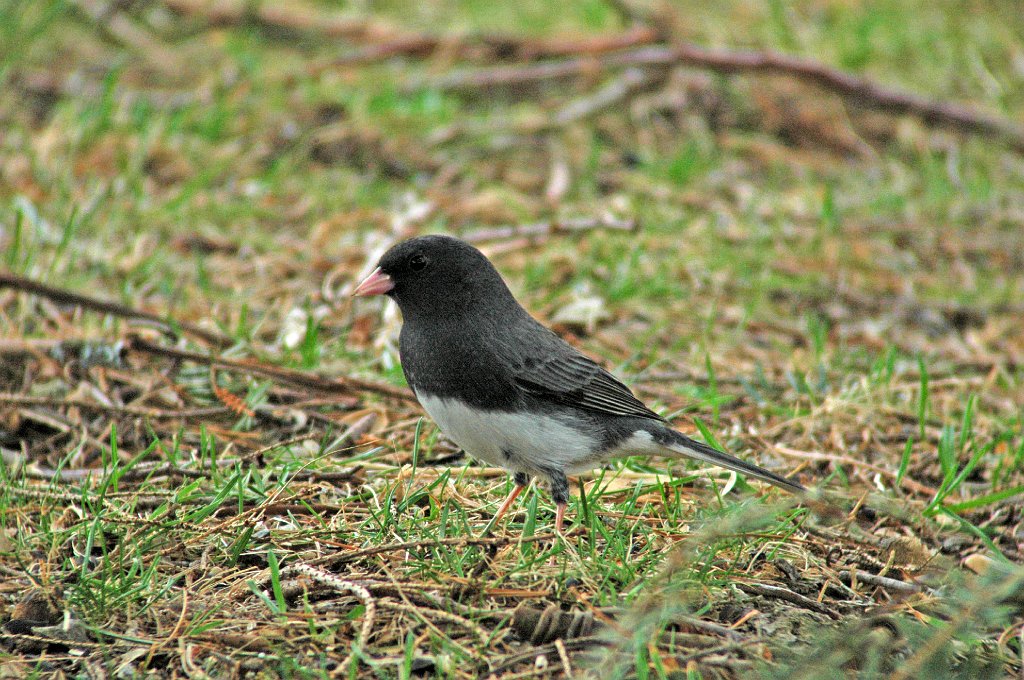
[(677, 444)]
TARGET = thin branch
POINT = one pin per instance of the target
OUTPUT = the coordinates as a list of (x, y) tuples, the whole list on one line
[(856, 89), (296, 18), (618, 90), (589, 54), (849, 577), (310, 381), (488, 46), (382, 40), (780, 593), (364, 596), (141, 411), (67, 297), (121, 29)]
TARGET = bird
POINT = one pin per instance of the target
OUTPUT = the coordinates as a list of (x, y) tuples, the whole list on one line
[(508, 390)]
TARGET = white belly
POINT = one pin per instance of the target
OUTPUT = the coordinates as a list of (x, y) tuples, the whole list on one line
[(513, 441)]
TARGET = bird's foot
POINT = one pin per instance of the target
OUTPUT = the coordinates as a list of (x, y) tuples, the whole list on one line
[(518, 489)]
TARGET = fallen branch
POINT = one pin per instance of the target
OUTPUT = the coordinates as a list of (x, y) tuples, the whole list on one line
[(618, 90), (360, 592), (121, 29), (141, 411), (308, 381), (66, 297), (780, 593), (852, 576), (295, 18), (303, 20), (488, 47), (859, 91), (591, 55)]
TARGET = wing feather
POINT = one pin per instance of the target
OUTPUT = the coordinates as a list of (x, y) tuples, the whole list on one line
[(573, 379)]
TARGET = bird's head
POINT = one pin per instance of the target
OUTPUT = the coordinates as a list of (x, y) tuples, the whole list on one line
[(436, 275)]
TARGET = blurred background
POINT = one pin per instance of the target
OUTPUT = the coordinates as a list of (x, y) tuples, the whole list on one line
[(797, 228)]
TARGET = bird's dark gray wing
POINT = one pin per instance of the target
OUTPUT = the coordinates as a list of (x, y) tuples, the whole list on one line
[(570, 378)]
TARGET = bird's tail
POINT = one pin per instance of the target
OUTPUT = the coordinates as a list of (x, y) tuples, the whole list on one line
[(677, 444)]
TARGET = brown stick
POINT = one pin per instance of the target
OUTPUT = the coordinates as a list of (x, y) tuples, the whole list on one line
[(293, 17), (386, 41), (121, 29), (848, 577), (780, 593), (142, 411), (858, 90), (303, 18), (66, 297), (855, 88), (492, 46), (310, 381)]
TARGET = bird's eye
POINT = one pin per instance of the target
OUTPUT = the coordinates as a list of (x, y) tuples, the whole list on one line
[(417, 263)]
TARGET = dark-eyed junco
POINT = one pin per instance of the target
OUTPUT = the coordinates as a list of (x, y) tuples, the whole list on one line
[(508, 390)]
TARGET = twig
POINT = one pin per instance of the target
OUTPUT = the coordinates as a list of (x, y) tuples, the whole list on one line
[(57, 641), (505, 47), (141, 411), (861, 91), (702, 626), (294, 17), (847, 577), (364, 596), (139, 471), (604, 52), (564, 657), (612, 93), (309, 381), (162, 469), (618, 90), (779, 593), (119, 28), (66, 297)]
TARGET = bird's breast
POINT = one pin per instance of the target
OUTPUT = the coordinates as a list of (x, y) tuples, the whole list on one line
[(515, 440), (449, 364)]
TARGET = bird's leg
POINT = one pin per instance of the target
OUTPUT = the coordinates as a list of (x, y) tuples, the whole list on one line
[(560, 494), (521, 480)]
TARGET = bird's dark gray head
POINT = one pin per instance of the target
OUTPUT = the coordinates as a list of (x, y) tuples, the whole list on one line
[(438, 276)]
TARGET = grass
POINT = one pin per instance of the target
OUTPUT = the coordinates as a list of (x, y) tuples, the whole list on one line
[(850, 317)]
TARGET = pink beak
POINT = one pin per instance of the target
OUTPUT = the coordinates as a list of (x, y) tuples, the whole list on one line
[(377, 283)]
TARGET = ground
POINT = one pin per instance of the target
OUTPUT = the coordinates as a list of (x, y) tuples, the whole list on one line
[(212, 467)]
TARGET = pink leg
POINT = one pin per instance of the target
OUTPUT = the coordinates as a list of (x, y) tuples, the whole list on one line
[(518, 489), (559, 521), (521, 480), (559, 517)]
